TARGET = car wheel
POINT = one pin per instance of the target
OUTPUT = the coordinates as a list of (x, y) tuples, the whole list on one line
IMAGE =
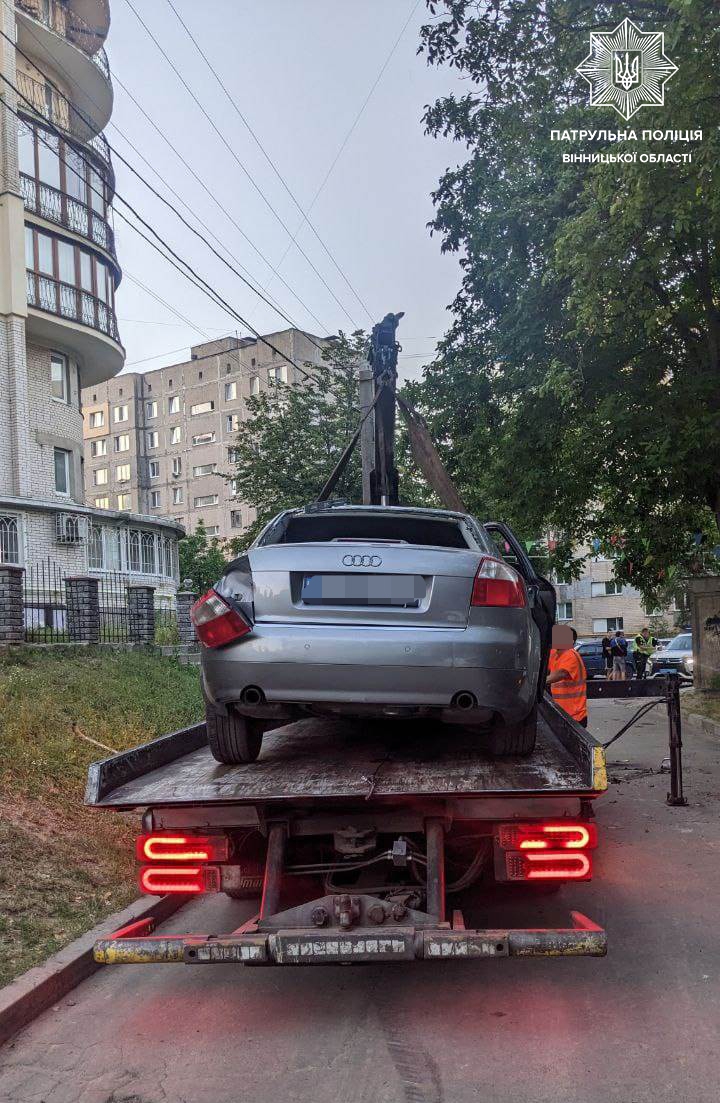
[(507, 739), (233, 739)]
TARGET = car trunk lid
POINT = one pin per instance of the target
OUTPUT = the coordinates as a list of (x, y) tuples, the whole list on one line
[(349, 582)]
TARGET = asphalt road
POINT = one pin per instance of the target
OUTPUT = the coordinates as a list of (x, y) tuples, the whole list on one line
[(640, 1026)]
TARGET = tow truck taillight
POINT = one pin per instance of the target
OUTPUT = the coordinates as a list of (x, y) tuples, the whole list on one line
[(172, 846), (216, 622), (161, 880), (544, 851), (497, 584)]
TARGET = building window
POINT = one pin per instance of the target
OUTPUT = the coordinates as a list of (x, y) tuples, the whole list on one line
[(278, 375), (102, 503), (154, 469), (9, 539), (177, 465), (254, 383), (101, 476), (607, 624), (232, 423), (232, 455), (202, 408), (605, 589), (174, 404), (120, 413), (62, 470), (228, 369), (147, 548), (177, 495), (204, 469), (151, 410), (96, 419), (122, 473), (155, 499), (212, 530), (96, 548), (122, 443), (175, 434), (124, 501), (98, 448), (236, 521), (252, 362), (153, 439), (134, 550), (230, 391), (206, 500), (564, 610), (203, 438), (60, 378)]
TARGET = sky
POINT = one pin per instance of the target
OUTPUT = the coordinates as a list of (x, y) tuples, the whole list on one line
[(299, 71)]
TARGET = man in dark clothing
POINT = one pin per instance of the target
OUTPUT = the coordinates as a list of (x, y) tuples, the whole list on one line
[(619, 649), (606, 645)]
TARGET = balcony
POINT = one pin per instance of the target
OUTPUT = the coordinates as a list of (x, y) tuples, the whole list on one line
[(41, 100), (55, 206), (70, 52), (91, 334)]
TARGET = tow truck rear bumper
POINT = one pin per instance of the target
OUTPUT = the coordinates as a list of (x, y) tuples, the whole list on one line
[(137, 945)]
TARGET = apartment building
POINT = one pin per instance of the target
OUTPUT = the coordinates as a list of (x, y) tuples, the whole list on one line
[(58, 276), (596, 603), (161, 441)]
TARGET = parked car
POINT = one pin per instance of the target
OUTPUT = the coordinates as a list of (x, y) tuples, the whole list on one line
[(675, 658), (592, 656), (375, 611)]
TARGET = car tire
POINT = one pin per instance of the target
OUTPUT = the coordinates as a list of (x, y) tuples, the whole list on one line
[(233, 739), (519, 739)]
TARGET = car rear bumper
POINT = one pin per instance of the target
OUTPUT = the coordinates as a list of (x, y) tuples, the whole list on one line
[(345, 666)]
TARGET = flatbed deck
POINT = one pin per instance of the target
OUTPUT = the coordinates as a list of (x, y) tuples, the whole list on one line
[(322, 760)]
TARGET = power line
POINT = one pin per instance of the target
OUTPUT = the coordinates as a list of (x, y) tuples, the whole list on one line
[(189, 168), (237, 160), (191, 275), (149, 291), (264, 152), (353, 126)]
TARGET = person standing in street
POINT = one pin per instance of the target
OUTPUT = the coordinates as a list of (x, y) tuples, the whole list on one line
[(606, 644), (645, 644), (567, 676), (619, 649)]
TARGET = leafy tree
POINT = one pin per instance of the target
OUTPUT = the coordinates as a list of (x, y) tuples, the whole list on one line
[(202, 560), (295, 435), (578, 390)]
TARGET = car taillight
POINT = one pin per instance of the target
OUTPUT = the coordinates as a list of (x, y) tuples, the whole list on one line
[(216, 622), (172, 846), (160, 880), (549, 865), (497, 584), (547, 836), (554, 851)]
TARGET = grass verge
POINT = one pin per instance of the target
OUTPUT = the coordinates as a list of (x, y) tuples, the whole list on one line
[(66, 867), (703, 704)]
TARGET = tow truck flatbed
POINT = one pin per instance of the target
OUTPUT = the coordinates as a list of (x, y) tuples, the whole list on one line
[(318, 760)]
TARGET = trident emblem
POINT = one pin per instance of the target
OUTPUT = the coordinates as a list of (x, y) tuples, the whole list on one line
[(627, 69)]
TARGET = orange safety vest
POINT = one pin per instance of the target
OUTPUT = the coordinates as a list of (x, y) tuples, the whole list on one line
[(571, 693)]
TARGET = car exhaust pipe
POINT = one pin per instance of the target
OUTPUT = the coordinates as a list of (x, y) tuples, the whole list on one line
[(464, 701), (252, 695)]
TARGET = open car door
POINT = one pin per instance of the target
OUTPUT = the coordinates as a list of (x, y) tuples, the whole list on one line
[(541, 593)]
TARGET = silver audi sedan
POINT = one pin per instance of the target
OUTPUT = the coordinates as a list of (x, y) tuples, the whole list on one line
[(375, 611)]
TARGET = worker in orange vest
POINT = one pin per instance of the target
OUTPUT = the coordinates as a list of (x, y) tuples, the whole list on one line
[(567, 676)]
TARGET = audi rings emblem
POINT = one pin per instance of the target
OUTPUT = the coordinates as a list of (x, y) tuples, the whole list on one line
[(362, 560)]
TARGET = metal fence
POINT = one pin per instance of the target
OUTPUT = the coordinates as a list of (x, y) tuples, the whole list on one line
[(166, 623), (44, 601), (113, 605)]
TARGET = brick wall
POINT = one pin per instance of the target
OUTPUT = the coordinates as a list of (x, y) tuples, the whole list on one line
[(52, 425)]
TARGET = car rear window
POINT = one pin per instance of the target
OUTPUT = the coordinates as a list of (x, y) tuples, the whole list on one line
[(436, 532)]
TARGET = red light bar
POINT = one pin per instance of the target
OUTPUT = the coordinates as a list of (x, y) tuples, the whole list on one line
[(160, 880), (216, 622), (548, 865), (547, 836), (173, 846)]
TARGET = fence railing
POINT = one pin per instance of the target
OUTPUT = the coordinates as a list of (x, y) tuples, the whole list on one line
[(45, 603), (113, 607), (56, 206), (67, 301), (51, 105), (61, 21)]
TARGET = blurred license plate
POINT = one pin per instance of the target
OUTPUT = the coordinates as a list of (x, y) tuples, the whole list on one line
[(405, 591)]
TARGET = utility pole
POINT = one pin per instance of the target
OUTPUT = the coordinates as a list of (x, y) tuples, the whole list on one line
[(382, 361), (367, 429)]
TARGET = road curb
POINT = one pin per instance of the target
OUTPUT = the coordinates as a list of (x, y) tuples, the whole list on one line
[(33, 992), (706, 725)]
